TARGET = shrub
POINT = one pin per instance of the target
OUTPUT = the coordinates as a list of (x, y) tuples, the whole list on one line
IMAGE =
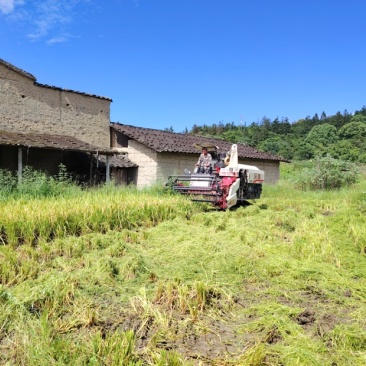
[(326, 173), (35, 183), (8, 183)]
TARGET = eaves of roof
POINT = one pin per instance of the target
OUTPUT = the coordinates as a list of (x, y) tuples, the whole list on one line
[(164, 141), (17, 69), (119, 161), (71, 91), (46, 141)]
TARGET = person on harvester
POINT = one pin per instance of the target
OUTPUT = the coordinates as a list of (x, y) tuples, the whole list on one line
[(203, 164)]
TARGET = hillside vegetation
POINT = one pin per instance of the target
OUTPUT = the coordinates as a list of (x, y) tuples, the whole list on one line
[(126, 277), (342, 135)]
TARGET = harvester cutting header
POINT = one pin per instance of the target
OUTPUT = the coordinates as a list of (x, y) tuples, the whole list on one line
[(225, 184)]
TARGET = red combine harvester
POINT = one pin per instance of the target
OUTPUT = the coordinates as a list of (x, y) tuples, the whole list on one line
[(227, 185)]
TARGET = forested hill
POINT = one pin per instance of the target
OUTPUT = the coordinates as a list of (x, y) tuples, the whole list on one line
[(342, 136)]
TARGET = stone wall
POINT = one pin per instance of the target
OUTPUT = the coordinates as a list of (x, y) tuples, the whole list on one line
[(26, 107)]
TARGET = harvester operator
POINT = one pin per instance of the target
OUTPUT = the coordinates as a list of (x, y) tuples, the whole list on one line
[(204, 162)]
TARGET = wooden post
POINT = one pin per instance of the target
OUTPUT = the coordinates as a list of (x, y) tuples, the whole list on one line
[(20, 164), (108, 170), (91, 169)]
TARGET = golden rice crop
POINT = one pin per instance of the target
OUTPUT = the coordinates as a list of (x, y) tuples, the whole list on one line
[(125, 277), (31, 221)]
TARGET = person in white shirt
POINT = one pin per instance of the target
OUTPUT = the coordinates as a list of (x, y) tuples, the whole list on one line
[(204, 162)]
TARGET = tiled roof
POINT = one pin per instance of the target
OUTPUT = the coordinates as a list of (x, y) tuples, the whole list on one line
[(71, 91), (49, 142), (27, 74), (119, 161), (164, 141), (16, 69)]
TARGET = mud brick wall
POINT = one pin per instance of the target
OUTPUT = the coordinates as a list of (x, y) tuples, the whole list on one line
[(172, 164), (175, 164), (271, 169), (146, 159), (155, 167), (28, 107)]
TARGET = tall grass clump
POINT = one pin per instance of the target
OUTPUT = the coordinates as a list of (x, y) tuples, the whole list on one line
[(36, 184), (29, 221), (8, 183), (324, 173)]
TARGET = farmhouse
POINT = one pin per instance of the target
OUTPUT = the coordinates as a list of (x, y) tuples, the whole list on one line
[(161, 153), (44, 126)]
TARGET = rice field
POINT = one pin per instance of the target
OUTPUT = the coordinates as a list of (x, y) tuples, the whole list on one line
[(127, 277)]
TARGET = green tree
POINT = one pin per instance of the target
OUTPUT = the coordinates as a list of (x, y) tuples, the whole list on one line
[(358, 118), (303, 151), (302, 127), (322, 136), (355, 131), (266, 123), (338, 120), (258, 134), (231, 135), (362, 111), (274, 145), (284, 127), (346, 150)]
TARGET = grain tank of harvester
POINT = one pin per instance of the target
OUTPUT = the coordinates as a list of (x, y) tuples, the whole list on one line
[(228, 184)]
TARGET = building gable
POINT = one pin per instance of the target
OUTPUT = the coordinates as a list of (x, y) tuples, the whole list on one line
[(30, 107)]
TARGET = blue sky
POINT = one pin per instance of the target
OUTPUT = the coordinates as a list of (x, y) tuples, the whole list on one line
[(176, 63)]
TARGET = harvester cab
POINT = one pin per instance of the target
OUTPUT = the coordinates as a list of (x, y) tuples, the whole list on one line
[(227, 184)]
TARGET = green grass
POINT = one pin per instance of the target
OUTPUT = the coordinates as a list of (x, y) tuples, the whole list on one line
[(127, 277)]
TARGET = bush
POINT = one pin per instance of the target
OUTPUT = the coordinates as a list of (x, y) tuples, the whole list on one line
[(8, 183), (326, 173), (35, 183)]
